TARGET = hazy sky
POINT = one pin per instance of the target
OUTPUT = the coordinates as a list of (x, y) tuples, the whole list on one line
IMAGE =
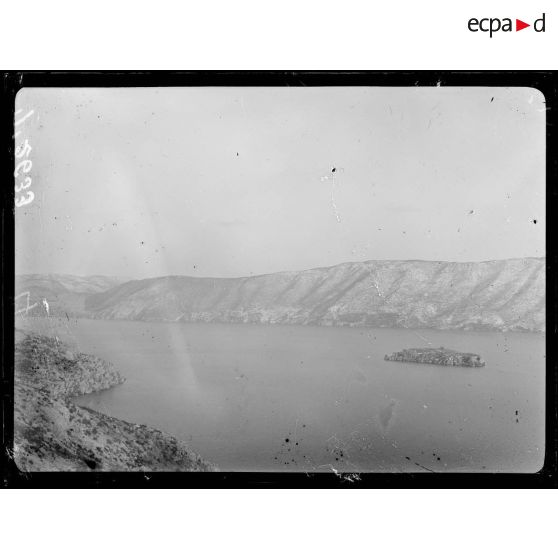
[(238, 181)]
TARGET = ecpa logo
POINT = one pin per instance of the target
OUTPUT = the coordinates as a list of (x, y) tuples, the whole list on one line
[(494, 24)]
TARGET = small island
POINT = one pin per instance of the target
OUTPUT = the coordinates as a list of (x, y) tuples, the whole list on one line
[(441, 356)]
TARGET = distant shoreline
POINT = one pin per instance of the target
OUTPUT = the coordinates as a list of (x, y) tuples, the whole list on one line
[(330, 326)]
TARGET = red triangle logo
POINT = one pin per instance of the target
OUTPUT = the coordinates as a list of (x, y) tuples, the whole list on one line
[(519, 25)]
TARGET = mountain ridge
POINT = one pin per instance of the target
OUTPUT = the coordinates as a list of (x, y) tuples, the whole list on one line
[(495, 294)]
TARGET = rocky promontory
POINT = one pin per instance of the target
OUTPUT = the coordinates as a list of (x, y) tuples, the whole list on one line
[(53, 434)]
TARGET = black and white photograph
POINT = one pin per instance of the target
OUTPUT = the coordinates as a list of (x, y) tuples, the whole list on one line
[(336, 280)]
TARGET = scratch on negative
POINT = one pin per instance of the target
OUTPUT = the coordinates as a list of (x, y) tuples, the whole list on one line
[(333, 201), (349, 477)]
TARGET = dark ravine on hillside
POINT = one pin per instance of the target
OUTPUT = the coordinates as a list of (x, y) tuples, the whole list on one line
[(53, 434), (496, 295)]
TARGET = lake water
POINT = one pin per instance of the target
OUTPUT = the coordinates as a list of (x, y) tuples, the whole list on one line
[(317, 399)]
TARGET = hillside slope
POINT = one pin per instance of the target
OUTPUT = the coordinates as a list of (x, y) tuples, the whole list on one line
[(53, 434), (501, 294)]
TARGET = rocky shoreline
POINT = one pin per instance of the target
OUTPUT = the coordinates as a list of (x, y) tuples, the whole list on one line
[(51, 433)]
